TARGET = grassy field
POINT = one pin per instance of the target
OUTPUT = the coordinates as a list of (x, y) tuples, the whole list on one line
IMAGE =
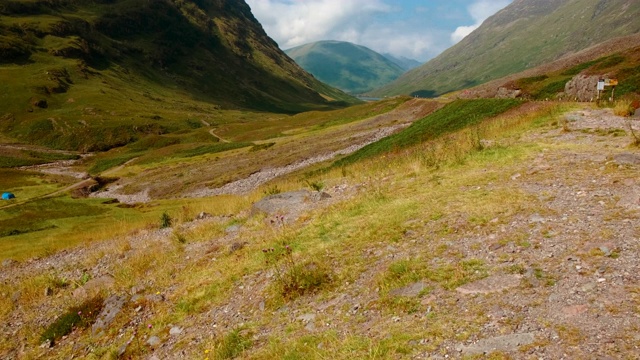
[(35, 226), (451, 118), (330, 248)]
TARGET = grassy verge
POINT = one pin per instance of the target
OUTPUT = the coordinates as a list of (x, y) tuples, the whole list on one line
[(453, 117)]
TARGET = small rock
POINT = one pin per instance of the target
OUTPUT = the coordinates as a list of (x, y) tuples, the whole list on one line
[(587, 287), (48, 291), (9, 263), (499, 343), (154, 298), (410, 234), (93, 287), (491, 284), (47, 344), (570, 311), (203, 215), (175, 331), (232, 229), (237, 246), (261, 306), (627, 159), (123, 348), (154, 341), (536, 218), (306, 317), (311, 326), (605, 250), (411, 290)]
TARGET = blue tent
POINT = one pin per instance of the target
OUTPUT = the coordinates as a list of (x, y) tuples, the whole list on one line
[(7, 196)]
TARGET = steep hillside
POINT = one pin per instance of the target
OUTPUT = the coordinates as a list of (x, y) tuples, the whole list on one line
[(352, 68), (525, 34), (74, 73), (574, 76)]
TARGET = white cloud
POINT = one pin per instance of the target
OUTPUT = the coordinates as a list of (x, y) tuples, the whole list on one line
[(462, 31), (418, 29), (479, 11), (293, 23)]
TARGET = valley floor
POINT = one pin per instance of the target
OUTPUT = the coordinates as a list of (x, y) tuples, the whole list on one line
[(527, 249)]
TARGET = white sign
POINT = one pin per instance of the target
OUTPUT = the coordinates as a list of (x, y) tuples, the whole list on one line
[(601, 85)]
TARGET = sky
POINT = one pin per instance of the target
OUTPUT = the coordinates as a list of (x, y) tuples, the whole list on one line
[(416, 29)]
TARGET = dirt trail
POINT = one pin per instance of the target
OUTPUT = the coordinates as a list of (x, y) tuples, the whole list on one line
[(218, 137)]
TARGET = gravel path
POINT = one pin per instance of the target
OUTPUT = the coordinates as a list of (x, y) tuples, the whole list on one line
[(249, 184)]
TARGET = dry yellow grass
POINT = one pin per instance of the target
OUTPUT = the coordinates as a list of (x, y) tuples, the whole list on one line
[(426, 189)]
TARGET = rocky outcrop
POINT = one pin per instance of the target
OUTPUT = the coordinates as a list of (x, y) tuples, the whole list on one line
[(507, 93), (582, 88)]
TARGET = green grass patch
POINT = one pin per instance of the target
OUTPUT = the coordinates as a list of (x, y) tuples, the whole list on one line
[(629, 81), (550, 90), (531, 80), (81, 316), (609, 62), (210, 149), (449, 275), (153, 142), (233, 344), (12, 178), (578, 68), (107, 162), (454, 116), (16, 158), (38, 215)]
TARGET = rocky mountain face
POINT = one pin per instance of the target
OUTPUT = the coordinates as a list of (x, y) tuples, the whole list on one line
[(65, 56), (525, 34), (352, 68), (214, 46)]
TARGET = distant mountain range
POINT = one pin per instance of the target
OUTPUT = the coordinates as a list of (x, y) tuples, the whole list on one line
[(130, 59), (525, 34), (352, 68), (404, 62)]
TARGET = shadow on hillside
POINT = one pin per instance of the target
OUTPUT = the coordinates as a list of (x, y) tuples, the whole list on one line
[(424, 94)]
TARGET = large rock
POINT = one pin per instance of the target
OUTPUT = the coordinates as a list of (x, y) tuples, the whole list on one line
[(411, 290), (289, 205), (112, 307), (499, 343), (582, 87), (93, 287), (491, 284)]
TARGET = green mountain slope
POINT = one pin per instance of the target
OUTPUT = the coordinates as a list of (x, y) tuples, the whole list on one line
[(352, 68), (93, 74), (525, 34)]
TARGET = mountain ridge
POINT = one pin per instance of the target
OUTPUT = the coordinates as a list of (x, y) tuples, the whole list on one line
[(523, 35), (144, 59), (350, 67)]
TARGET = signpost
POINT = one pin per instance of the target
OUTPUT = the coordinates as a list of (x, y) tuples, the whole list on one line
[(602, 83)]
